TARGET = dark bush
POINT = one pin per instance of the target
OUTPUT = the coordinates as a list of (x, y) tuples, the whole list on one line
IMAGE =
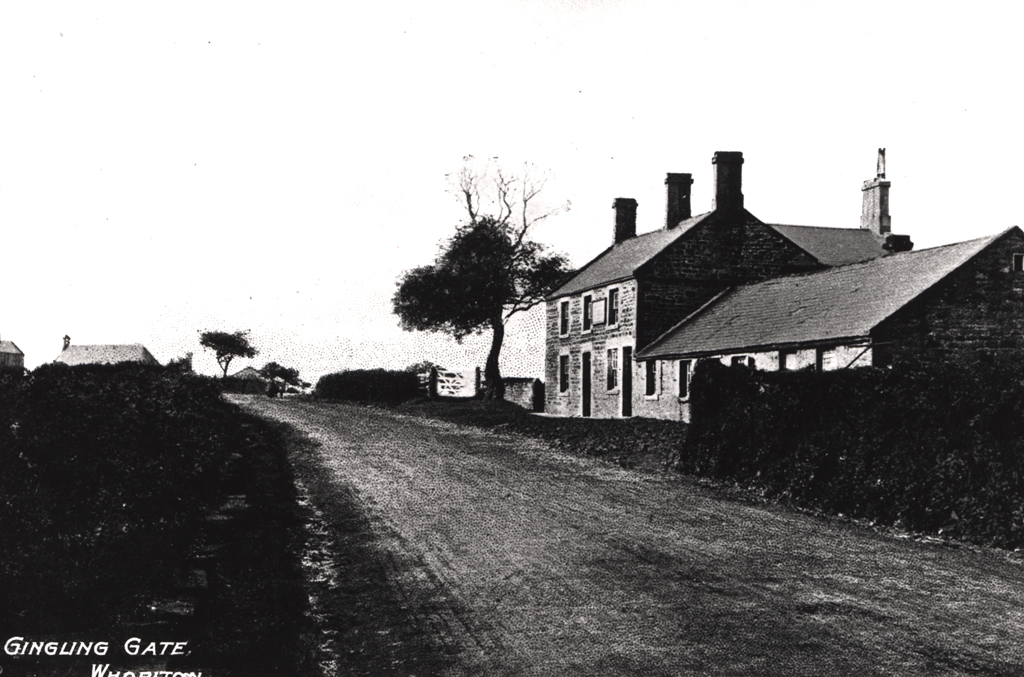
[(103, 466), (931, 451), (377, 386), (243, 386)]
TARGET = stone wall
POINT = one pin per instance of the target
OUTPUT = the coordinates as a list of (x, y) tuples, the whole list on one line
[(975, 314), (666, 402), (719, 253), (596, 341), (528, 393)]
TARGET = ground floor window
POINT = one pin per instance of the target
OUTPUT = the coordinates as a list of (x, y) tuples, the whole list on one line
[(612, 369), (563, 373), (651, 382), (685, 373)]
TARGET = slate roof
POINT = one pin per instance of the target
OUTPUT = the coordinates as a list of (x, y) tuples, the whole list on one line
[(834, 246), (620, 261), (837, 303), (9, 347), (106, 354), (248, 372), (830, 246)]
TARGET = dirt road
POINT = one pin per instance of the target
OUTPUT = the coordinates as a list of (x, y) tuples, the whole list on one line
[(503, 557)]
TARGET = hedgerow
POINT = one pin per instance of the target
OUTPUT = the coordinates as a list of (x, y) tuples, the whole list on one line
[(110, 474), (939, 452), (377, 386)]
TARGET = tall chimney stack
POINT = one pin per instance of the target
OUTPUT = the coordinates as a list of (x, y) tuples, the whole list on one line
[(728, 180), (625, 218), (678, 193), (874, 215)]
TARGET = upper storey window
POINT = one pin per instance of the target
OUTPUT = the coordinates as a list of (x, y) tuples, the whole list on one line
[(613, 306)]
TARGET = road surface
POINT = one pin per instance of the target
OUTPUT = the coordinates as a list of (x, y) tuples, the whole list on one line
[(503, 557)]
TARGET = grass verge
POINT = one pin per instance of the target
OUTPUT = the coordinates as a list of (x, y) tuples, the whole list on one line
[(634, 443)]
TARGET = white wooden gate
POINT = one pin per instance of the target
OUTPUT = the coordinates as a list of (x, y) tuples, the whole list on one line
[(456, 382)]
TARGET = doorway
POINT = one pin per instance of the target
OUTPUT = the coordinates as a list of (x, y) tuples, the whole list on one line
[(627, 381), (586, 384)]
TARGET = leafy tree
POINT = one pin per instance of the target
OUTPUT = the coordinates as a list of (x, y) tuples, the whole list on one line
[(286, 374), (227, 346), (487, 272), (421, 367)]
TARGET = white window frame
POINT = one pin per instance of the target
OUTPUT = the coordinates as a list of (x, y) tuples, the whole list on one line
[(564, 311), (618, 306), (568, 374), (609, 371), (657, 380), (684, 376)]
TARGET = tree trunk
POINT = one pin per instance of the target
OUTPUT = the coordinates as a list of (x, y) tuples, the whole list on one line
[(492, 374)]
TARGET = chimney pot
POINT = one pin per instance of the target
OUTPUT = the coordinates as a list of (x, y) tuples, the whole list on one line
[(728, 180), (67, 342), (678, 199), (625, 218)]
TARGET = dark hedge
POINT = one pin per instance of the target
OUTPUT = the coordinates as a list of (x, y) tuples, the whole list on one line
[(376, 386), (102, 465), (110, 474), (928, 450)]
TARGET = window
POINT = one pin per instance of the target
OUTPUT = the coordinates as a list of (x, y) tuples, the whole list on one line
[(613, 306), (588, 312), (613, 368), (563, 318), (743, 361), (1018, 263), (563, 373), (787, 360), (651, 382), (685, 373)]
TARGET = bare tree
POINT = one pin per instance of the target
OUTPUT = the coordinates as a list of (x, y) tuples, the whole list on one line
[(490, 269)]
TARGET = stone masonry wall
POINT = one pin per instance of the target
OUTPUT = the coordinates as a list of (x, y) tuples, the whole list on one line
[(604, 403), (976, 313), (720, 253)]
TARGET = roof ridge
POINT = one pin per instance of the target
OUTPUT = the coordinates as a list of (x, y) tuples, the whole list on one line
[(881, 260), (843, 301), (621, 260)]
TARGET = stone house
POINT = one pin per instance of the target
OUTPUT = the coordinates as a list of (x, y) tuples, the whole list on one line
[(958, 303), (11, 357), (104, 354), (249, 373), (614, 308)]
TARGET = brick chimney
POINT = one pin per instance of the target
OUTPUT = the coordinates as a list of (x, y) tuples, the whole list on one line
[(728, 180), (874, 215), (678, 193), (625, 218)]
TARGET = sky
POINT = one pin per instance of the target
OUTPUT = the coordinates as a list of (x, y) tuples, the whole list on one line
[(173, 167)]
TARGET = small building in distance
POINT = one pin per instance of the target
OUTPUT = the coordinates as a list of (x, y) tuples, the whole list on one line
[(249, 373), (11, 357), (113, 353)]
